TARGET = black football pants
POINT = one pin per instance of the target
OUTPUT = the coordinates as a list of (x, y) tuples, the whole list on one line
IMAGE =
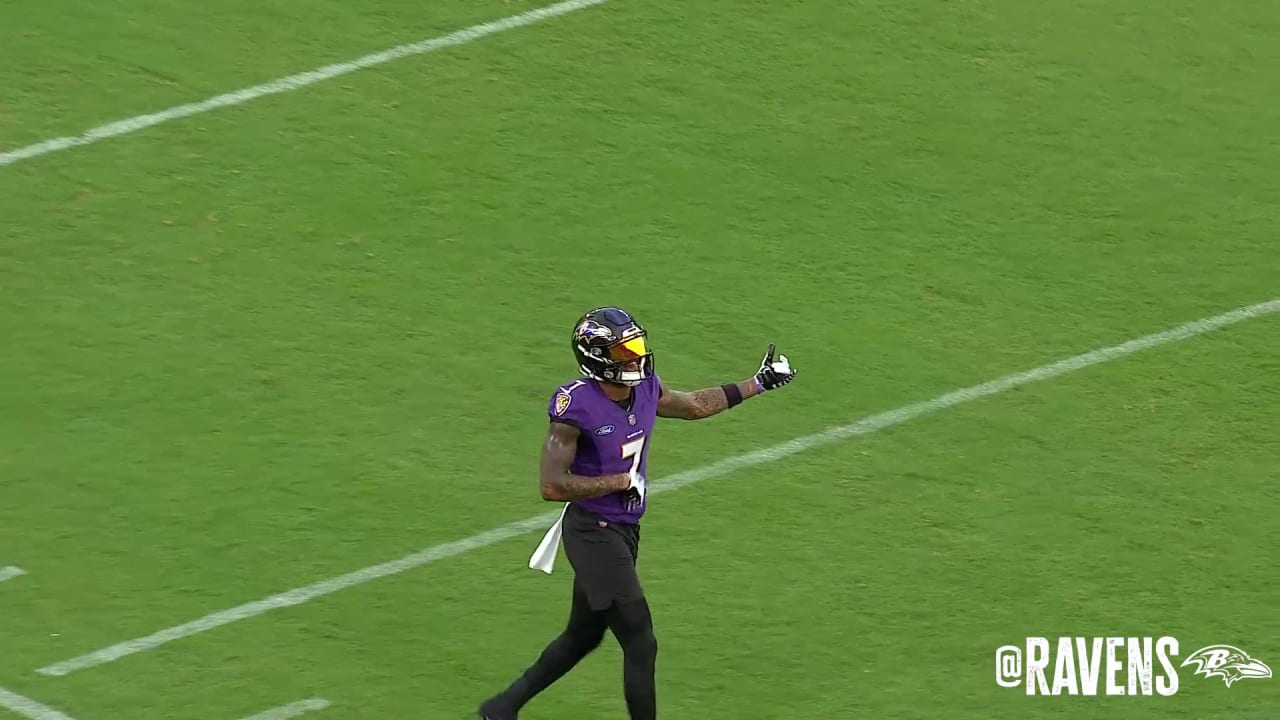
[(632, 625)]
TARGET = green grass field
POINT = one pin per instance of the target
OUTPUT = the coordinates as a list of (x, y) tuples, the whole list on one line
[(271, 344)]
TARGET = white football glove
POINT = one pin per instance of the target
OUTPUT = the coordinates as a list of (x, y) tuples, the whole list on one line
[(638, 485), (774, 373)]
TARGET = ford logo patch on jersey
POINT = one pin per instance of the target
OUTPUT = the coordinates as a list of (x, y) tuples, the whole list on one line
[(604, 429)]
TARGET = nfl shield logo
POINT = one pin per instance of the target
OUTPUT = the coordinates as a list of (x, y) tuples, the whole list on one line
[(631, 419)]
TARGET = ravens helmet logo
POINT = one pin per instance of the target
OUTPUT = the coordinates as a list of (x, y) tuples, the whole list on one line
[(590, 329)]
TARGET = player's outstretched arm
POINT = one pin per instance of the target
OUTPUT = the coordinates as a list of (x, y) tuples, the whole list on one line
[(704, 403), (555, 480), (699, 404)]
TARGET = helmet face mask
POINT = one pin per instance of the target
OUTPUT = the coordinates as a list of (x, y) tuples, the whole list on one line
[(610, 346)]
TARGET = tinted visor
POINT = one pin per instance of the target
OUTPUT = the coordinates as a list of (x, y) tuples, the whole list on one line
[(628, 350)]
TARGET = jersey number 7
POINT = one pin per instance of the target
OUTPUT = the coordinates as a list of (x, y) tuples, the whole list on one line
[(632, 450)]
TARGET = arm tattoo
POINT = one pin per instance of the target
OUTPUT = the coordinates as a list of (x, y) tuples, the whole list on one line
[(557, 483), (699, 404), (568, 487), (707, 402)]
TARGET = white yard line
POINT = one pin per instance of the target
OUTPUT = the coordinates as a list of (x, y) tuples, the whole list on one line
[(28, 708), (865, 426), (291, 710), (10, 572), (294, 82)]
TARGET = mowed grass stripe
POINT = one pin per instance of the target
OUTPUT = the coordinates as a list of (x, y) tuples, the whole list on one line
[(293, 82)]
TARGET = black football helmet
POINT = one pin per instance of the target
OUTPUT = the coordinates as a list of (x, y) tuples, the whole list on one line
[(607, 339)]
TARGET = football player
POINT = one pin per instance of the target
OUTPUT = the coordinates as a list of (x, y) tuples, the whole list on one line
[(594, 459)]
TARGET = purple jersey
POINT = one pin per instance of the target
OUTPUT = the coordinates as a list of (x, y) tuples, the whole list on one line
[(615, 438)]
